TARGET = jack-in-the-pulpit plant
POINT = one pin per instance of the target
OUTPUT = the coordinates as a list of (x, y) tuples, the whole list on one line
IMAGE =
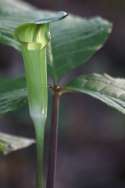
[(34, 39), (51, 49)]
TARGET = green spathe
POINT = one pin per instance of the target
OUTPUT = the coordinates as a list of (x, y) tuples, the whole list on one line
[(34, 39), (36, 77), (36, 34)]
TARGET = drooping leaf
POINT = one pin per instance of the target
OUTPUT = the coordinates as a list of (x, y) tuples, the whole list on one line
[(13, 94), (103, 87), (9, 143), (74, 40), (14, 13)]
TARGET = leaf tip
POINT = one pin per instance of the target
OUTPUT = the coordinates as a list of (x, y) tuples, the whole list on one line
[(58, 16)]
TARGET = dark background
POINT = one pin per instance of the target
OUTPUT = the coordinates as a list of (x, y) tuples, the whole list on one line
[(91, 152)]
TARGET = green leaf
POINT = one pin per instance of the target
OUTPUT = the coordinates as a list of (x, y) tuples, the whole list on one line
[(103, 87), (13, 94), (74, 40), (9, 143), (15, 13)]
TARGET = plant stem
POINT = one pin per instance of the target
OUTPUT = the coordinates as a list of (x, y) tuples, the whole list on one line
[(40, 130), (53, 141)]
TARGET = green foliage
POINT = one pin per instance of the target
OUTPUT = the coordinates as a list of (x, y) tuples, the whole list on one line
[(9, 143), (109, 90), (15, 13), (74, 40), (13, 94)]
